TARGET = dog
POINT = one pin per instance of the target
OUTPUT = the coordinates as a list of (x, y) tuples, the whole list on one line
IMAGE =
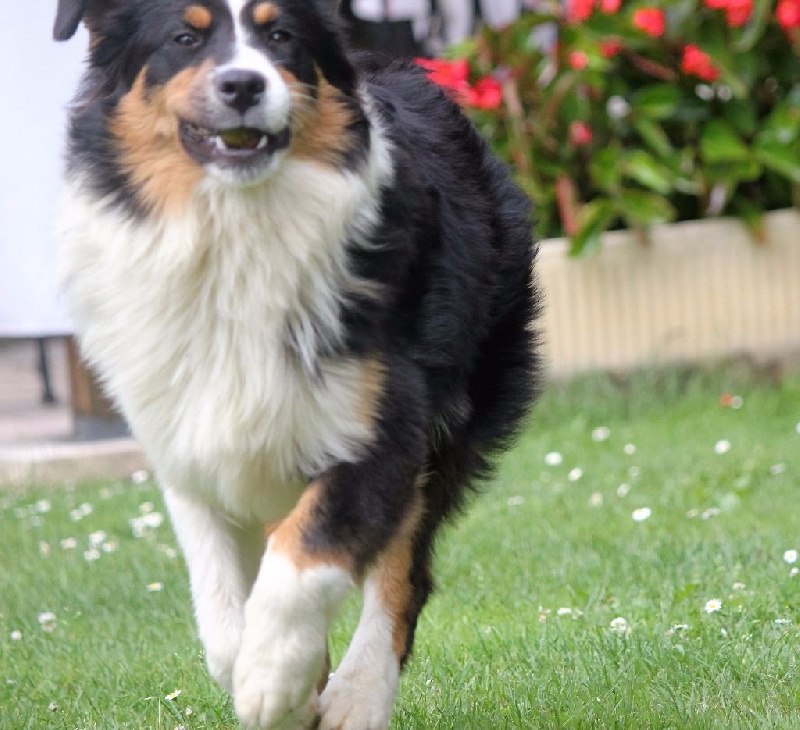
[(307, 284)]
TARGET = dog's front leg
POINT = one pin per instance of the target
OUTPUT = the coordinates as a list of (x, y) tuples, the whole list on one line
[(342, 525), (222, 559)]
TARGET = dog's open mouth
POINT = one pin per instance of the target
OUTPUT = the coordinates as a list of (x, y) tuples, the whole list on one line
[(240, 145)]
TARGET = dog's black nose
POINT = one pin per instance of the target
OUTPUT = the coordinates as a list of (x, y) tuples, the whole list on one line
[(241, 89)]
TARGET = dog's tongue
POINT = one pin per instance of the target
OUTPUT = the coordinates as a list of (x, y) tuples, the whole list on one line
[(241, 138)]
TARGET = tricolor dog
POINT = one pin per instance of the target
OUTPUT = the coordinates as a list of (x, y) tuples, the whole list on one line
[(308, 286)]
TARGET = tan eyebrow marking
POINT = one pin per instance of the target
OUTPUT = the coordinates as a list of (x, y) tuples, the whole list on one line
[(265, 12), (198, 16)]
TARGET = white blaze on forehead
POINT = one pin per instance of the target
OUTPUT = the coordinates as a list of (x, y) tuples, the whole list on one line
[(247, 57)]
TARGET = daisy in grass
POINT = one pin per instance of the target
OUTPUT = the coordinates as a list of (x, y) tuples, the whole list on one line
[(641, 514), (173, 695), (713, 605), (790, 556), (619, 625)]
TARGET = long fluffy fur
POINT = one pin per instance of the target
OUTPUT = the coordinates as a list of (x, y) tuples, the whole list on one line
[(336, 346)]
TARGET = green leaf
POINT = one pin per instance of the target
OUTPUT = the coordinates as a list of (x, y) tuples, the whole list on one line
[(720, 143), (657, 101), (595, 218), (646, 170), (644, 208), (654, 136), (752, 32), (742, 115), (783, 125), (778, 158), (752, 216), (604, 167)]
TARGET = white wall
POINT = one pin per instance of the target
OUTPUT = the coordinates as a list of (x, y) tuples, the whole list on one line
[(38, 79)]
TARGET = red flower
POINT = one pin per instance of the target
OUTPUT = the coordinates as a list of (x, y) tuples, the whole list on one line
[(611, 47), (650, 20), (580, 134), (578, 60), (448, 74), (579, 10), (487, 93), (787, 13), (698, 63), (738, 12), (609, 7)]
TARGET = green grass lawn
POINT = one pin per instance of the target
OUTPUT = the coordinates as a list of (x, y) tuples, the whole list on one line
[(556, 608)]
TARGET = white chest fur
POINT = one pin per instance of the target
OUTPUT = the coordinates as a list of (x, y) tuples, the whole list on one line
[(186, 320)]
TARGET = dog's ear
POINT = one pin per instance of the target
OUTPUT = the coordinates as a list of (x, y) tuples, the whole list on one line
[(68, 18)]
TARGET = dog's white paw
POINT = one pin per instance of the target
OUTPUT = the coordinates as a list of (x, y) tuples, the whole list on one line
[(361, 700), (284, 643), (274, 687)]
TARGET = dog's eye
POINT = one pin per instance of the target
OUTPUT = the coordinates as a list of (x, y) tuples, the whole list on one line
[(279, 36), (186, 39)]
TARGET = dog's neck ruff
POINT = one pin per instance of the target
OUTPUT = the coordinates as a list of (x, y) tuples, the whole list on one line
[(186, 317)]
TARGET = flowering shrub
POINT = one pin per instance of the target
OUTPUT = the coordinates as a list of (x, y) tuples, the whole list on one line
[(631, 113)]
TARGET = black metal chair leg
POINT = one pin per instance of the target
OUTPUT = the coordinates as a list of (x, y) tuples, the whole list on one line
[(48, 396)]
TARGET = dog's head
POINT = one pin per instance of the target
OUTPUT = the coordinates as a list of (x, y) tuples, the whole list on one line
[(225, 88)]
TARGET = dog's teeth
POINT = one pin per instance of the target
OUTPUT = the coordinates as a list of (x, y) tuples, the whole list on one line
[(262, 143), (219, 143)]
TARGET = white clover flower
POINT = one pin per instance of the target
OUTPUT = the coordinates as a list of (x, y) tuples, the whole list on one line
[(710, 512), (738, 586), (601, 433), (553, 459), (790, 556), (630, 449), (91, 555), (713, 605), (793, 572), (110, 547), (641, 514), (623, 489), (68, 543), (564, 611), (515, 501), (153, 520), (634, 472), (140, 477), (44, 549), (42, 506), (47, 621), (15, 635), (575, 474), (723, 446), (619, 625), (596, 499), (97, 538)]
